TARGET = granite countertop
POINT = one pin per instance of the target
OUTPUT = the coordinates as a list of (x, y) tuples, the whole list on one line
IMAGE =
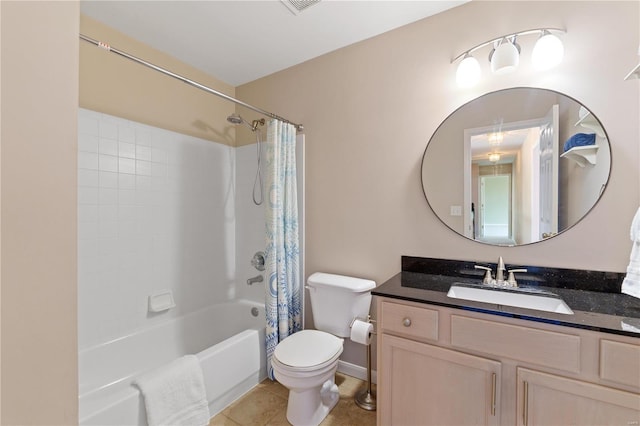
[(427, 281)]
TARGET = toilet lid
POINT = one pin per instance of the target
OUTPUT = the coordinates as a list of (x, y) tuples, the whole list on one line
[(307, 348)]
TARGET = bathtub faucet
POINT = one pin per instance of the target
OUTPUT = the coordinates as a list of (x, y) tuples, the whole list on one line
[(256, 279)]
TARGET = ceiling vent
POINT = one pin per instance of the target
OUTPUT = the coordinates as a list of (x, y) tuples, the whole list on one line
[(297, 6)]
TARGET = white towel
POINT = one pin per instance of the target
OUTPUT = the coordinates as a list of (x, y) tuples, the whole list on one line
[(631, 283), (634, 232), (174, 395)]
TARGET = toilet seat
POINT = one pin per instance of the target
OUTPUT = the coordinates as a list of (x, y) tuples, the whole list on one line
[(308, 350)]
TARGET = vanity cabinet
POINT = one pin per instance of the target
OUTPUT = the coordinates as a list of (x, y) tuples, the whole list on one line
[(438, 365), (429, 385)]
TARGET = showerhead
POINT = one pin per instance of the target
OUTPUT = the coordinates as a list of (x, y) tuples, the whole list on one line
[(237, 119)]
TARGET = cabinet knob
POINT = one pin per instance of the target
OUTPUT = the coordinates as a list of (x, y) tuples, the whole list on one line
[(406, 322)]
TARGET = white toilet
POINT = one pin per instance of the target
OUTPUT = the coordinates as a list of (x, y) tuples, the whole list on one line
[(306, 362)]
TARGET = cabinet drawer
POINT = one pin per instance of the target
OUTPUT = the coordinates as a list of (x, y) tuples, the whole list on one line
[(411, 321), (620, 362), (541, 347)]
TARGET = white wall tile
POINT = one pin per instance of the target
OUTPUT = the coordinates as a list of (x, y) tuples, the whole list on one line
[(88, 177), (126, 196), (87, 142), (144, 182), (143, 168), (143, 152), (107, 196), (126, 133), (87, 195), (143, 135), (108, 129), (159, 170), (127, 165), (108, 146), (159, 155), (87, 213), (108, 180), (126, 213), (126, 181), (107, 229), (88, 123), (126, 150), (87, 160), (145, 226), (87, 231), (108, 163)]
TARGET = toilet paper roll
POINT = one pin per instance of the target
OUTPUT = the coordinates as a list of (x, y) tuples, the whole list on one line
[(361, 332)]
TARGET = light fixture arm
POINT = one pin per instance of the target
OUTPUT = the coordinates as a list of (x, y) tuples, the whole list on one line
[(509, 36)]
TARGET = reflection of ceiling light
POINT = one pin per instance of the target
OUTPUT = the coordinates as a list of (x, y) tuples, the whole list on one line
[(496, 138), (494, 157)]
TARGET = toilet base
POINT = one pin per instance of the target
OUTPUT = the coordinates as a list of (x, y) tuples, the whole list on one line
[(309, 407)]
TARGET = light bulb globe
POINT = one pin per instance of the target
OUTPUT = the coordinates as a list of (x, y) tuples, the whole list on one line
[(468, 72), (505, 58), (547, 52)]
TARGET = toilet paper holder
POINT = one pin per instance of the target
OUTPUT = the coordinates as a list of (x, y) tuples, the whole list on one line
[(366, 398), (367, 319)]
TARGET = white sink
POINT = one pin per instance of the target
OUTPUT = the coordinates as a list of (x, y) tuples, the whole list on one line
[(520, 299)]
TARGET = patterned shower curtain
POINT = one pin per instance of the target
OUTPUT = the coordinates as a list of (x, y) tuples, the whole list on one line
[(283, 308)]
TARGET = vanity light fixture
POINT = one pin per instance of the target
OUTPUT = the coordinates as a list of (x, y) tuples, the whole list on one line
[(505, 55)]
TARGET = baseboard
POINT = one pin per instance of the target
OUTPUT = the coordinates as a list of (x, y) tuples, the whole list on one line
[(356, 371)]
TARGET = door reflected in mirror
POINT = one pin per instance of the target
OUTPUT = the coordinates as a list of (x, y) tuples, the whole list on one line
[(512, 167)]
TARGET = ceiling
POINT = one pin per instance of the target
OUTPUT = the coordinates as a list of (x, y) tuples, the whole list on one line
[(240, 41), (509, 144)]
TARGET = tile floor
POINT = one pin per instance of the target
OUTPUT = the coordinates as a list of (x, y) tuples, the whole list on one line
[(266, 404)]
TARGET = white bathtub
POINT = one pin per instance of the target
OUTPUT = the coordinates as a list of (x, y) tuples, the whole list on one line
[(227, 339)]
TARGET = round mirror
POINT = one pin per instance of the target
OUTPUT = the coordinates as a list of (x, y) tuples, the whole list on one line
[(516, 166)]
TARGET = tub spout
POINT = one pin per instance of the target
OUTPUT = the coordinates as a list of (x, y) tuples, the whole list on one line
[(256, 279)]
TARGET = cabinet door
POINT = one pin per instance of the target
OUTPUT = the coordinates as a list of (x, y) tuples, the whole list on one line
[(546, 399), (420, 384)]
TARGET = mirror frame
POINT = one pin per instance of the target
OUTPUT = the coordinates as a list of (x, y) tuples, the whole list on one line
[(435, 132)]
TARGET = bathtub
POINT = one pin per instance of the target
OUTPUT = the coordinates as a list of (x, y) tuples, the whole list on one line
[(227, 339)]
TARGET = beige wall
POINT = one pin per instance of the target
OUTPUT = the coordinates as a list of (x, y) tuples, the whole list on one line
[(369, 110), (38, 201), (115, 85)]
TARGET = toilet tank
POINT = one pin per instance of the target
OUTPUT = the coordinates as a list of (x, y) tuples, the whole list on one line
[(336, 300)]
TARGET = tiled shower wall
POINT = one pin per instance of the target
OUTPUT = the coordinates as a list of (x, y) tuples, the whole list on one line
[(155, 213)]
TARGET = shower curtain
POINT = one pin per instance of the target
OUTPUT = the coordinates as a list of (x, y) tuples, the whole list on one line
[(283, 307)]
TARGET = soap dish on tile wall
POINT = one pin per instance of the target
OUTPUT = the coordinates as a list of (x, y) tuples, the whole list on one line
[(161, 301)]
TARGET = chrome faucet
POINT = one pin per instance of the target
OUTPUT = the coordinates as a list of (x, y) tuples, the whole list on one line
[(488, 278), (499, 280), (500, 272), (511, 281), (256, 279)]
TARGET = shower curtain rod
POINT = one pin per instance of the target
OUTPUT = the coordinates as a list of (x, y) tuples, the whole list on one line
[(105, 46)]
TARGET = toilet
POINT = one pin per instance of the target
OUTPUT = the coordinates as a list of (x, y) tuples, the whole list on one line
[(306, 362)]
